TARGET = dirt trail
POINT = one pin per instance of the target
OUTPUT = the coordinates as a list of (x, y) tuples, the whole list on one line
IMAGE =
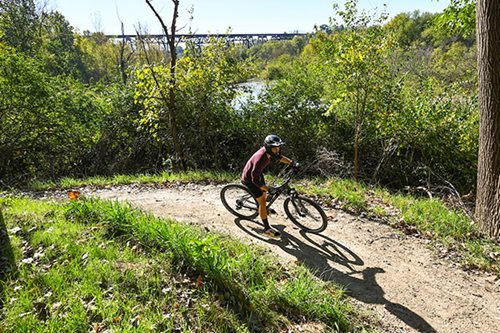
[(394, 276)]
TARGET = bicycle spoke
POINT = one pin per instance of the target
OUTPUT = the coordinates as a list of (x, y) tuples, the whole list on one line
[(238, 201), (306, 214)]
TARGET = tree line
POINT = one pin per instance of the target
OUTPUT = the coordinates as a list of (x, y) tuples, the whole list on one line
[(388, 101)]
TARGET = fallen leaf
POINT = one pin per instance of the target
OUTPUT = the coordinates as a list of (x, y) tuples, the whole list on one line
[(73, 195), (199, 281)]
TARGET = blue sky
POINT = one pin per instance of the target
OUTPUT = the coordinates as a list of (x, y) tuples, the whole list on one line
[(216, 16)]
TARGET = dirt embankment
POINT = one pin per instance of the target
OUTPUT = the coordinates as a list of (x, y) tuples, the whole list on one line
[(394, 276)]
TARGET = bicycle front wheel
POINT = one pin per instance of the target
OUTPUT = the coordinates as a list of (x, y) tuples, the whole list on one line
[(306, 214), (239, 201)]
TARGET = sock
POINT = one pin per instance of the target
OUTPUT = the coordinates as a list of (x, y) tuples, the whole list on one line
[(266, 223)]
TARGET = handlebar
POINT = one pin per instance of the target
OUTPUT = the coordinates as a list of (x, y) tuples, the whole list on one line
[(287, 173)]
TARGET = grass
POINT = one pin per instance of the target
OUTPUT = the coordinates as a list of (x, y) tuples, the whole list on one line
[(162, 178), (93, 265), (430, 218)]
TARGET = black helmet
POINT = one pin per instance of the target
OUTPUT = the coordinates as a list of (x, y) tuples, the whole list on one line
[(272, 140)]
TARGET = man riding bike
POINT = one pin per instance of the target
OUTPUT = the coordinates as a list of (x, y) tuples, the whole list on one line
[(253, 178)]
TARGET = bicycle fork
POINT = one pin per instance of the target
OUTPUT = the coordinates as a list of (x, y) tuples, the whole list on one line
[(297, 203)]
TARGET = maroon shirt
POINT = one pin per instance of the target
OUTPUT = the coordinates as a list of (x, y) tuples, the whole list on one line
[(252, 173)]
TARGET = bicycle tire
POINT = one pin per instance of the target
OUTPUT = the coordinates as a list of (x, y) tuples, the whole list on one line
[(238, 201), (313, 219)]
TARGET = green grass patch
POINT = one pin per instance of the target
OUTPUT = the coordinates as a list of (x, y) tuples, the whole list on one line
[(93, 265), (164, 177)]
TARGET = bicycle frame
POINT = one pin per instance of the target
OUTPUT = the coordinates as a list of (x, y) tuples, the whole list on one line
[(284, 188)]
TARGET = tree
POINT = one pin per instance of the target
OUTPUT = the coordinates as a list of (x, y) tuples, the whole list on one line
[(58, 50), (354, 64), (488, 173), (169, 96), (18, 24)]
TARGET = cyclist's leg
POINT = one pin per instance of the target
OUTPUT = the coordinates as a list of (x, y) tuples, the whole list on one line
[(262, 209), (263, 215), (261, 196)]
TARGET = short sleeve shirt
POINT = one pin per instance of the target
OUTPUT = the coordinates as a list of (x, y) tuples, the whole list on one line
[(252, 173)]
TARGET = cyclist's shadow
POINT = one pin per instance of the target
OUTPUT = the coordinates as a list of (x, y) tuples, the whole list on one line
[(321, 254)]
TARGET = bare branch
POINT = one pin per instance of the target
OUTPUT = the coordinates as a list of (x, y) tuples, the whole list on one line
[(164, 27)]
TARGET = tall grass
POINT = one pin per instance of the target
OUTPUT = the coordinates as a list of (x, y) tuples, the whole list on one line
[(161, 178), (93, 265)]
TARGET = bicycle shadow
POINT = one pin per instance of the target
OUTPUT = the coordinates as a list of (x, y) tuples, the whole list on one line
[(7, 261), (321, 254)]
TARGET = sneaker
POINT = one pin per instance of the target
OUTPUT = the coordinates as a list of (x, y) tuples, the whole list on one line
[(270, 211), (271, 232)]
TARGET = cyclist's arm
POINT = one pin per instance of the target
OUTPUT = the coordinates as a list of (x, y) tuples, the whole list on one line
[(285, 160)]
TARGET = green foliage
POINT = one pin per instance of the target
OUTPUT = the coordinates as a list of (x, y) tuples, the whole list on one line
[(293, 106), (100, 58), (266, 52), (47, 122), (459, 17), (58, 51), (434, 134), (411, 28), (18, 25), (353, 63), (205, 87)]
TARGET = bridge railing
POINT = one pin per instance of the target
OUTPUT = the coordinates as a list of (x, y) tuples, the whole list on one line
[(201, 39)]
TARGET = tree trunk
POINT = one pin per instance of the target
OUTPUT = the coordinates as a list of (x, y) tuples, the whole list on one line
[(357, 134), (488, 173), (172, 101), (173, 88), (123, 64)]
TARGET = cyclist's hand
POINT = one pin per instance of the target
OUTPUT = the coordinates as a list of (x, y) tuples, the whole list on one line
[(295, 166)]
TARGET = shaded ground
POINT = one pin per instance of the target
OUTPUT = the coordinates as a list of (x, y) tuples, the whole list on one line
[(394, 276), (7, 261)]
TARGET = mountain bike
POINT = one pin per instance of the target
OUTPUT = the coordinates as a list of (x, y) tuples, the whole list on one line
[(303, 212)]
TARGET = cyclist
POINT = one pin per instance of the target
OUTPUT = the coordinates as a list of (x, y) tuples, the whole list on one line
[(253, 178)]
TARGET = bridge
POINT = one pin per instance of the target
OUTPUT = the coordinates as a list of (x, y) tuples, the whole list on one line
[(201, 39)]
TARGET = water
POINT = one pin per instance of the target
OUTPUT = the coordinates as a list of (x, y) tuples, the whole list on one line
[(248, 91)]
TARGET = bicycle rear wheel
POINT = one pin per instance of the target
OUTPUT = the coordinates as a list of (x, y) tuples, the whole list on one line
[(239, 201), (306, 214)]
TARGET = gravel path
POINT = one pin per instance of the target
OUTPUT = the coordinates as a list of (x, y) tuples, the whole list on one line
[(392, 275)]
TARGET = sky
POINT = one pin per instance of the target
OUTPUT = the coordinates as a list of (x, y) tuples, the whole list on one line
[(220, 16)]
